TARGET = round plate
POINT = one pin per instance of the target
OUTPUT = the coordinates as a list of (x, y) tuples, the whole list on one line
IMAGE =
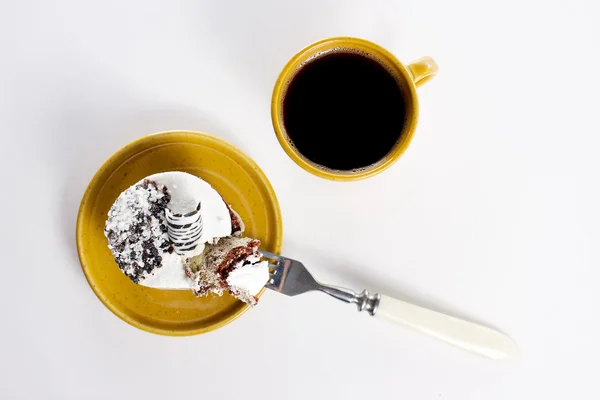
[(232, 173)]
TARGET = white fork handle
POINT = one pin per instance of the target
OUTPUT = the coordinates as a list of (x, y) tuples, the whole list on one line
[(466, 335)]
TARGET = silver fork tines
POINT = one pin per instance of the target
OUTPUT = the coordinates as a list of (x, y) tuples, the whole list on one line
[(291, 278)]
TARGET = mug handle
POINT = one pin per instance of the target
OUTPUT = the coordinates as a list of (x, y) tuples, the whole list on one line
[(422, 70)]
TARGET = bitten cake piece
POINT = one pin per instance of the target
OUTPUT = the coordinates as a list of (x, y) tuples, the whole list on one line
[(233, 264), (166, 228)]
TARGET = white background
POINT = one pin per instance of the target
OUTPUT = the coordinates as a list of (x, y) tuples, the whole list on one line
[(492, 213)]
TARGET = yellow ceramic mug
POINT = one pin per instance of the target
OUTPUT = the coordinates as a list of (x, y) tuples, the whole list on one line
[(409, 77)]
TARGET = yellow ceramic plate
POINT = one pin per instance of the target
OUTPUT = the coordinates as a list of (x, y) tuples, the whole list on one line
[(232, 173)]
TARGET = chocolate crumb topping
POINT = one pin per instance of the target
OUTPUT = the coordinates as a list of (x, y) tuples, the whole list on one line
[(237, 226), (135, 240)]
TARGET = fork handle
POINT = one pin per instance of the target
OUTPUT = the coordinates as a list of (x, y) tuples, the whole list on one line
[(466, 335)]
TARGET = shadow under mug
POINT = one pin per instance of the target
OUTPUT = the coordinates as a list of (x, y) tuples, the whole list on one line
[(409, 77)]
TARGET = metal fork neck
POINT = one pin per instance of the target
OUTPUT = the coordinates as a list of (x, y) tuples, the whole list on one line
[(364, 300)]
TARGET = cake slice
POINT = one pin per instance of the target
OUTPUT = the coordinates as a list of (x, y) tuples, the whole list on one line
[(232, 264), (172, 230)]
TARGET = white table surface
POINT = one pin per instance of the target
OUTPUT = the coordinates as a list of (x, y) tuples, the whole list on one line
[(492, 213)]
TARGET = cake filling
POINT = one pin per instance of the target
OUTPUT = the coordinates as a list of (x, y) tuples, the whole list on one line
[(233, 264)]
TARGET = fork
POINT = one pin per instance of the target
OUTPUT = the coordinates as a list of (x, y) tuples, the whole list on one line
[(291, 278)]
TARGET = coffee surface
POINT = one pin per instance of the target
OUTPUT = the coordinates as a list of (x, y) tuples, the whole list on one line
[(344, 111)]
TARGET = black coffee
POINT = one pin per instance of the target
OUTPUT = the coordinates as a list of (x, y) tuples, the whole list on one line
[(344, 111)]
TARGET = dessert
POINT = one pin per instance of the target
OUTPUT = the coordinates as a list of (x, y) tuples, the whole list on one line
[(172, 230), (233, 263)]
